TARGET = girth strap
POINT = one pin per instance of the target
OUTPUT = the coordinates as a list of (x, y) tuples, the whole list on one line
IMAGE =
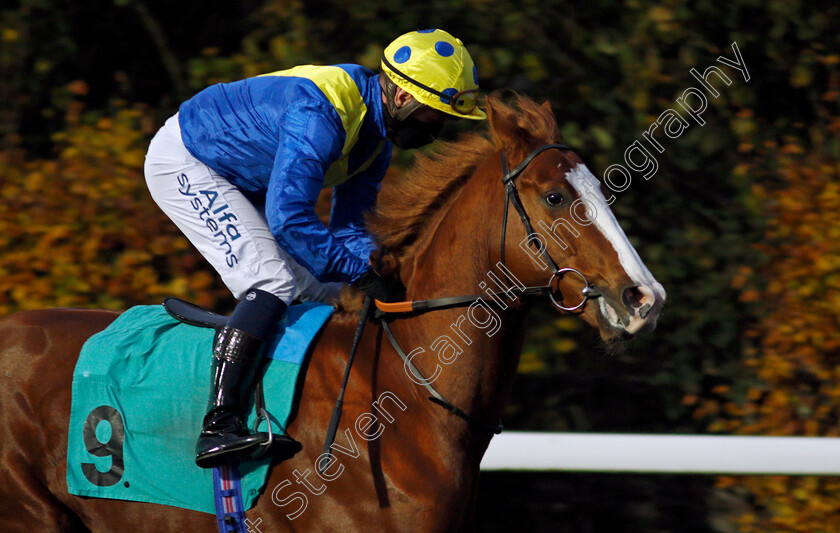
[(227, 495)]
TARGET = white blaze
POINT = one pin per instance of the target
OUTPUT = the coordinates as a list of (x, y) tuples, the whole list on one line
[(589, 189)]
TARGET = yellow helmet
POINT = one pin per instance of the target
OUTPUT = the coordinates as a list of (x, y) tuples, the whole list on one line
[(436, 69)]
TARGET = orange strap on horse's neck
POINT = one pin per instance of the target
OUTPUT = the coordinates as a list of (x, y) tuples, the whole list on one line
[(395, 307)]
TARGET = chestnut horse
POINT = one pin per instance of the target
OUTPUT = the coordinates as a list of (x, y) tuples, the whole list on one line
[(400, 462)]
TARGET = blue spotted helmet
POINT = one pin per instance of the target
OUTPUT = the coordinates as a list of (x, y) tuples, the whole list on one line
[(436, 69)]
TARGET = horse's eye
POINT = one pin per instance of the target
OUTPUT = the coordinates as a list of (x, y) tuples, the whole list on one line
[(554, 198)]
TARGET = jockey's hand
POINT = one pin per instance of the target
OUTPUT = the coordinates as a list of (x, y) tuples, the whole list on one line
[(371, 284)]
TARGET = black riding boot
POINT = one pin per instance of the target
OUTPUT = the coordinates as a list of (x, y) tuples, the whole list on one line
[(225, 436), (236, 355)]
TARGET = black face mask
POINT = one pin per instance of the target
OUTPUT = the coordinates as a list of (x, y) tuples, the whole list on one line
[(411, 133)]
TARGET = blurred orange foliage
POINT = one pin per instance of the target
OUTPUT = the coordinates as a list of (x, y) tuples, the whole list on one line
[(81, 230), (797, 343)]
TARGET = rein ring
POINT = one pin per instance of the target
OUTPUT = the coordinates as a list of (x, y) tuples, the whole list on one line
[(588, 290)]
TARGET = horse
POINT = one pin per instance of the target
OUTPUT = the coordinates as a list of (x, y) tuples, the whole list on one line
[(399, 462)]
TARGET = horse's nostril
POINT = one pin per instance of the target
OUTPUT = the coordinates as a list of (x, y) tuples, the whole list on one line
[(633, 298), (639, 299)]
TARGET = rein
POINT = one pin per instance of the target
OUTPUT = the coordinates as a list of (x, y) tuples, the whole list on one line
[(436, 397), (422, 306)]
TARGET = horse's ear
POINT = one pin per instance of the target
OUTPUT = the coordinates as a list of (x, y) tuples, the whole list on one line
[(504, 127), (548, 113)]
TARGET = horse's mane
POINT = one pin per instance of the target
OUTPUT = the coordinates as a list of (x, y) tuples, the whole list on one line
[(408, 200)]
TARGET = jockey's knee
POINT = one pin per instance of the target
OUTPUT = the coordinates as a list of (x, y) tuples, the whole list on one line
[(257, 313)]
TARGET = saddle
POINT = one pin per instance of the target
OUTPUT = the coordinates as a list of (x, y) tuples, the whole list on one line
[(192, 314)]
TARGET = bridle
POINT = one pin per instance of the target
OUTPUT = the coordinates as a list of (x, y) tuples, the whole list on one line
[(414, 307), (512, 196), (421, 306)]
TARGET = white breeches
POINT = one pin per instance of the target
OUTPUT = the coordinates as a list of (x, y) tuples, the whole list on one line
[(228, 230)]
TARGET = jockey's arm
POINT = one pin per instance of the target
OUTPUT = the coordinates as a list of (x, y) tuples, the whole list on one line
[(311, 139), (352, 199)]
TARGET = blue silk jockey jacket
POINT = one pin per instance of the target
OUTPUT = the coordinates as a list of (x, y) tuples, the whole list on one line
[(282, 137)]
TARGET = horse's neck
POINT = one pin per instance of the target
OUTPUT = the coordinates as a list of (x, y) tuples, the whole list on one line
[(453, 260)]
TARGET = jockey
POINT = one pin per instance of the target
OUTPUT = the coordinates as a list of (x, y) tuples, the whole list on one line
[(240, 167)]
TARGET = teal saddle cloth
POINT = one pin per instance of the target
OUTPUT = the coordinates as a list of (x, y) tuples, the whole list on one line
[(140, 391)]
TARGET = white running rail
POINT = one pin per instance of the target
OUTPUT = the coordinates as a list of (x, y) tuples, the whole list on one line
[(663, 454)]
